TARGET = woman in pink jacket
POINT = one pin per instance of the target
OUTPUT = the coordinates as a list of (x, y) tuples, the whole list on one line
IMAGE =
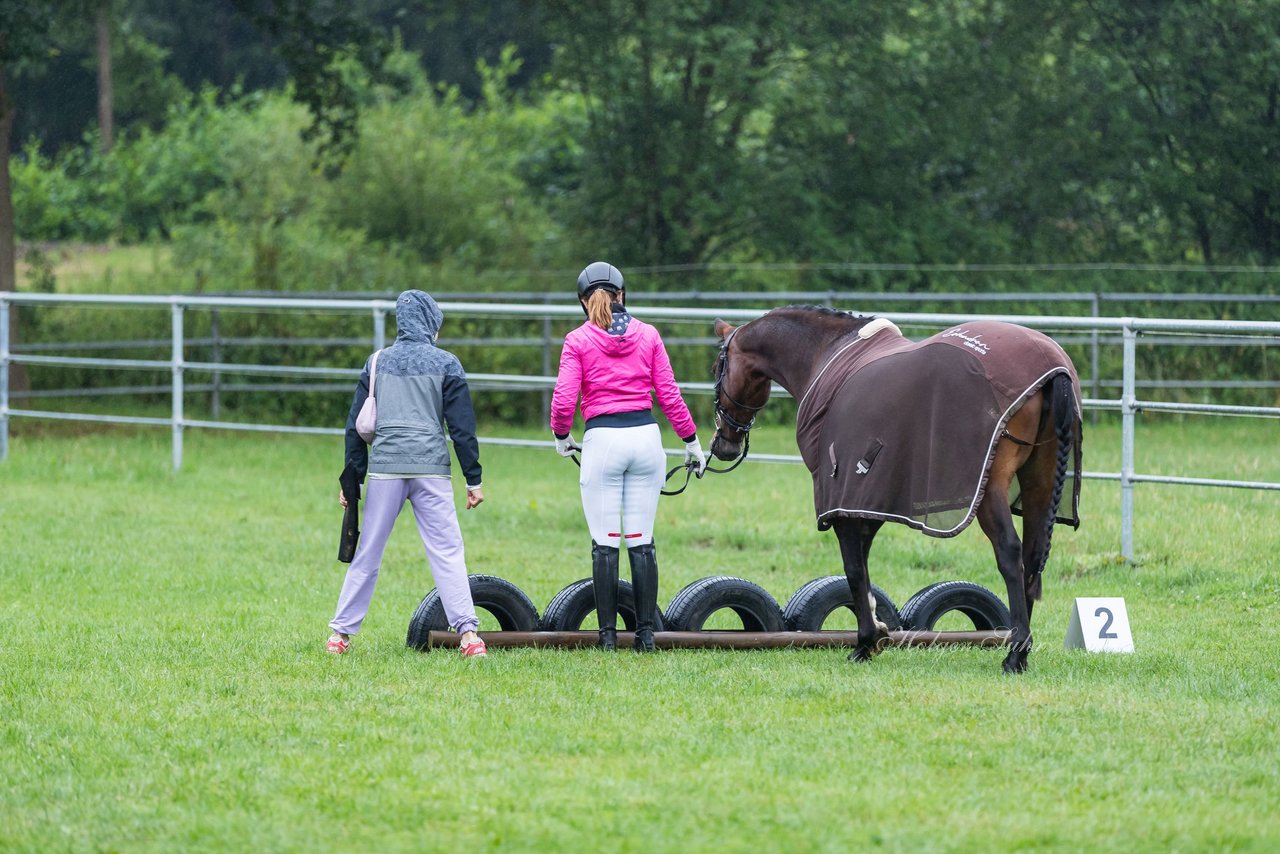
[(614, 362)]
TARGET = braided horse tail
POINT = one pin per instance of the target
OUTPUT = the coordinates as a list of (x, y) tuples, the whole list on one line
[(1062, 405)]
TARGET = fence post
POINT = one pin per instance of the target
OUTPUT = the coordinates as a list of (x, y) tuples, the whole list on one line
[(1094, 343), (4, 379), (379, 328), (215, 332), (546, 360), (1127, 409), (176, 368)]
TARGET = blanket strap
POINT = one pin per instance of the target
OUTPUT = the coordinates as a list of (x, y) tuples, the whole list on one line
[(1005, 434)]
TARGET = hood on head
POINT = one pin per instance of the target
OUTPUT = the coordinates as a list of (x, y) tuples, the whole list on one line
[(418, 318)]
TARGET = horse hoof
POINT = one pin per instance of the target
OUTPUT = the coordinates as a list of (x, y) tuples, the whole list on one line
[(861, 656), (1015, 664)]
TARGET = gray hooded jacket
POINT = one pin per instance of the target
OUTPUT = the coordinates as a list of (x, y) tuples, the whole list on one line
[(421, 391)]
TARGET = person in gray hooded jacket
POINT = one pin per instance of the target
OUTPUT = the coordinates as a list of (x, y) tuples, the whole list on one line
[(421, 391)]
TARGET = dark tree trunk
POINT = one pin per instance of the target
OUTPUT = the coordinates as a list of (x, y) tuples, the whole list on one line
[(8, 253), (106, 121), (8, 271)]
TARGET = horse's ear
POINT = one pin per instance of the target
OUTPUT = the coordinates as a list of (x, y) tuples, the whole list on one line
[(723, 329)]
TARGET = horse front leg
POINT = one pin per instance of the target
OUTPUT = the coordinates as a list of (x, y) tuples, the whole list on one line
[(855, 536)]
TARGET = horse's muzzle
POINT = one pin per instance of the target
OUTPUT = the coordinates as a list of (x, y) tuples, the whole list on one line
[(723, 449)]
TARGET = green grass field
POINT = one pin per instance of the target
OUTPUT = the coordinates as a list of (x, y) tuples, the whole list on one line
[(165, 687)]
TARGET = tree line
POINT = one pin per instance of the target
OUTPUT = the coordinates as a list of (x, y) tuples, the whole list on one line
[(353, 144)]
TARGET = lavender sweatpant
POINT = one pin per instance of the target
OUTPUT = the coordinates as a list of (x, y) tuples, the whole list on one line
[(432, 501)]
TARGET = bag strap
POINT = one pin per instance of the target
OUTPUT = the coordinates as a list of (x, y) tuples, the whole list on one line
[(373, 371)]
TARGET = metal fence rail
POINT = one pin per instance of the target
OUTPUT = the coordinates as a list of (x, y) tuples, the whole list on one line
[(224, 347), (1090, 301), (1128, 329)]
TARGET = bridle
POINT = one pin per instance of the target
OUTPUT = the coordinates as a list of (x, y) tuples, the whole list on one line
[(723, 416)]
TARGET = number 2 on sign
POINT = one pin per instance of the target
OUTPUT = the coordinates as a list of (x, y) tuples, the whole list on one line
[(1104, 632), (1099, 624)]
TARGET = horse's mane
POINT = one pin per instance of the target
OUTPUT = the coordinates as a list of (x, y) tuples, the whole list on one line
[(855, 321)]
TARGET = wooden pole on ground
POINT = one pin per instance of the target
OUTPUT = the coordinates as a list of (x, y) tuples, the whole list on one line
[(726, 639)]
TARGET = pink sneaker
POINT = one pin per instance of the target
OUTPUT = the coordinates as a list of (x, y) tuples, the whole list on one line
[(475, 649), (337, 644)]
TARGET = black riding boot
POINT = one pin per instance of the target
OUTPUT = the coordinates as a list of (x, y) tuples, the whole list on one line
[(644, 583), (604, 583)]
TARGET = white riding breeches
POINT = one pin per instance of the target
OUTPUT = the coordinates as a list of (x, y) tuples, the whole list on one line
[(621, 480)]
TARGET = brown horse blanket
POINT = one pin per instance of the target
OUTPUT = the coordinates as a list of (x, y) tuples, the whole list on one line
[(906, 431)]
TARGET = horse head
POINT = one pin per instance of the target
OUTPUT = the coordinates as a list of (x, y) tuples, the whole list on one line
[(741, 390)]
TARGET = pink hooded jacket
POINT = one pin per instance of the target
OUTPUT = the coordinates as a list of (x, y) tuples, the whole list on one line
[(615, 373)]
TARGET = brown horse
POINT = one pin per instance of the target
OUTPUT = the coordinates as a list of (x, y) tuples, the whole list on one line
[(981, 420)]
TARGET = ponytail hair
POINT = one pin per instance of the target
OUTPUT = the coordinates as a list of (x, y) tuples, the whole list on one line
[(600, 307)]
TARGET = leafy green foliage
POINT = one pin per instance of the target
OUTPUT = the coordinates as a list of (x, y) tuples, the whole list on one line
[(432, 191), (677, 97), (691, 133), (25, 27), (52, 201), (323, 43), (149, 183)]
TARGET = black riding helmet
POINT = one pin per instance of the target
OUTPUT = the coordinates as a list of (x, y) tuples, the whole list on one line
[(599, 274)]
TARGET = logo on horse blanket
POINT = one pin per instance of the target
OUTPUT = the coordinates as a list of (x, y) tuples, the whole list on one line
[(906, 431)]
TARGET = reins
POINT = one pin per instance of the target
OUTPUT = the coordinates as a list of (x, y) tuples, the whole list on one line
[(688, 471), (689, 467), (721, 415)]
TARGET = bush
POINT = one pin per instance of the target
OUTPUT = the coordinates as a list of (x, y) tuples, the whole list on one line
[(52, 200), (421, 178), (150, 182)]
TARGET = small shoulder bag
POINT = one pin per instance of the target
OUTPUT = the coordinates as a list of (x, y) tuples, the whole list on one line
[(367, 420)]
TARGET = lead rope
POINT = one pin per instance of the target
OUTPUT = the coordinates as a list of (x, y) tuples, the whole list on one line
[(689, 466)]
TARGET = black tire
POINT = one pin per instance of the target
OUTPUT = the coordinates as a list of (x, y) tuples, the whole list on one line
[(758, 610), (506, 602), (815, 602), (984, 608), (570, 608)]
